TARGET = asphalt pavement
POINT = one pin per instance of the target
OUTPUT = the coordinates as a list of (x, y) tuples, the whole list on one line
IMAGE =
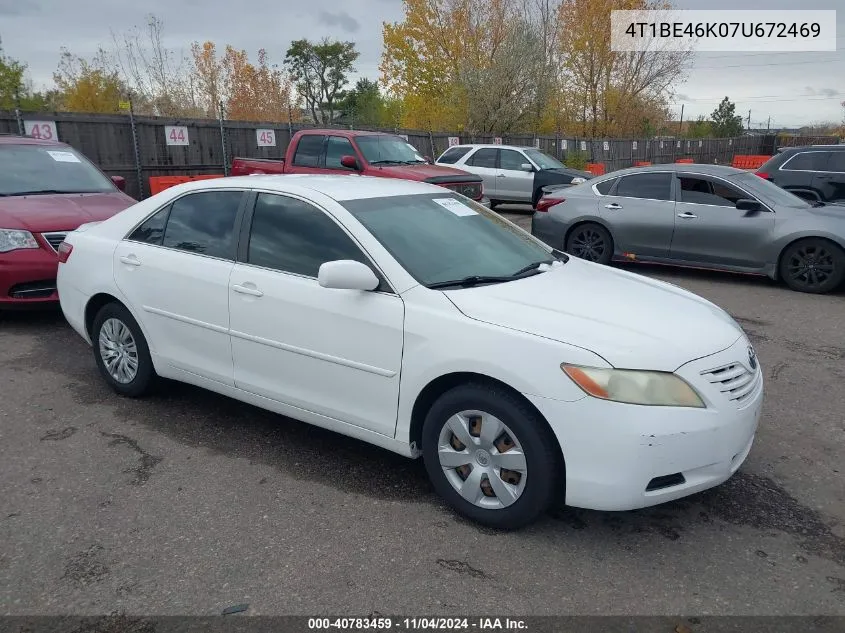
[(187, 503)]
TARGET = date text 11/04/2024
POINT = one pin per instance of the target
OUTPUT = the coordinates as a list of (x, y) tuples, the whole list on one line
[(418, 624)]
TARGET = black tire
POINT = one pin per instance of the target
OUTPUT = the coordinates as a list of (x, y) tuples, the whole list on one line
[(544, 470), (592, 242), (144, 377), (813, 265), (494, 204)]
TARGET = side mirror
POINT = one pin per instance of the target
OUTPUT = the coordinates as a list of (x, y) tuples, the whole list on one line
[(526, 167), (119, 182), (347, 274), (349, 162), (747, 204)]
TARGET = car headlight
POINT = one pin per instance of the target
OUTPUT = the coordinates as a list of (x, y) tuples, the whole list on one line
[(656, 388), (13, 239), (578, 180)]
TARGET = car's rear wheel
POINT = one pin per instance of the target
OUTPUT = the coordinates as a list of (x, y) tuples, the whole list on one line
[(813, 265), (592, 242), (490, 456), (495, 203), (121, 351)]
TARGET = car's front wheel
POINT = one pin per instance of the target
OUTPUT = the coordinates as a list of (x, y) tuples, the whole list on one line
[(813, 265), (491, 456), (591, 242), (121, 351)]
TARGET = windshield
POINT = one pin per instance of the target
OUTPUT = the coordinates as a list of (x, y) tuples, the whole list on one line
[(543, 161), (769, 192), (444, 237), (50, 169), (380, 149)]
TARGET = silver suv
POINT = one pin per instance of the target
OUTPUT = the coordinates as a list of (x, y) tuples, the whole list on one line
[(511, 173)]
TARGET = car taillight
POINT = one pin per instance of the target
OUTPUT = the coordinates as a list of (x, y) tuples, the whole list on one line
[(763, 174), (64, 252), (547, 203)]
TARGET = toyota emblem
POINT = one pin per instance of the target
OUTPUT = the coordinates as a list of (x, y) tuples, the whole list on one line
[(752, 357)]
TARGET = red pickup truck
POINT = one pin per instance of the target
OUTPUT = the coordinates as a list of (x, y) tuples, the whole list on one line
[(359, 152)]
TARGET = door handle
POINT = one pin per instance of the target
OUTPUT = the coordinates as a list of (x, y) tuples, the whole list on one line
[(687, 215), (613, 206), (501, 175), (130, 260), (248, 290)]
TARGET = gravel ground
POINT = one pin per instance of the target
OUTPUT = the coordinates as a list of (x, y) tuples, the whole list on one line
[(187, 503)]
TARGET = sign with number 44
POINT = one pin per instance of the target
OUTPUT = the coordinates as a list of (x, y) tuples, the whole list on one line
[(265, 138), (44, 130), (176, 135)]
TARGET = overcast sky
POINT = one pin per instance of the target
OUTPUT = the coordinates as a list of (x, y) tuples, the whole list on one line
[(791, 88)]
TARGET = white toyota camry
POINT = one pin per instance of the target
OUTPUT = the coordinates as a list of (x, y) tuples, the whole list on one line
[(410, 317)]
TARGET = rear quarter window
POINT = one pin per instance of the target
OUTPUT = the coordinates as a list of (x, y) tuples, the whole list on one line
[(453, 155)]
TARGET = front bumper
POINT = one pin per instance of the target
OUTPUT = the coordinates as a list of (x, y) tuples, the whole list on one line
[(614, 452), (28, 278)]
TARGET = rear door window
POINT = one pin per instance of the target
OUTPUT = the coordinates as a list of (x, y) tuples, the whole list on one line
[(836, 162), (806, 161), (485, 157), (453, 155), (656, 186), (204, 223), (308, 150)]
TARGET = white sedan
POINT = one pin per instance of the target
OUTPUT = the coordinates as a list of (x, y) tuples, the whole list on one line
[(415, 319)]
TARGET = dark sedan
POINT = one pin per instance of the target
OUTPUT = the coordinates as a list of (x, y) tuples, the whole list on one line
[(698, 215)]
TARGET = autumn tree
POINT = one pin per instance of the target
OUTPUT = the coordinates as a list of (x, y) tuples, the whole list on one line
[(321, 71), (88, 85), (700, 128), (725, 121), (613, 82)]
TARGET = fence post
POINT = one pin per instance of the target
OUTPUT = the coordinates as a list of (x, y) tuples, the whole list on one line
[(290, 123), (223, 143), (21, 128), (136, 150), (431, 145)]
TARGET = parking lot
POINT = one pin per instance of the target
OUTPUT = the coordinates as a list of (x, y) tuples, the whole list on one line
[(188, 503)]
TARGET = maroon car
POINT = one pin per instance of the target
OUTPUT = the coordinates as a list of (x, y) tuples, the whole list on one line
[(46, 190)]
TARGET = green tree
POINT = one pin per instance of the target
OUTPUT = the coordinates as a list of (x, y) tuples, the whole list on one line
[(725, 121), (364, 104), (321, 71), (15, 91), (700, 128)]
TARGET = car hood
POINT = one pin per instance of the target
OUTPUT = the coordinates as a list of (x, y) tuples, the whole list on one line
[(629, 320), (59, 212), (421, 172)]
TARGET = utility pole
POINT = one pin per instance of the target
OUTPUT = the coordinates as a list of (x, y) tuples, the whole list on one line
[(769, 125), (681, 122), (749, 120)]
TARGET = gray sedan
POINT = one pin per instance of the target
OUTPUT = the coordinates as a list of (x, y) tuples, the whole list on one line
[(698, 215)]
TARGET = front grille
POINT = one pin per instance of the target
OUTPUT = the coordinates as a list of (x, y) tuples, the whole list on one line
[(468, 189), (736, 381), (54, 239), (33, 289)]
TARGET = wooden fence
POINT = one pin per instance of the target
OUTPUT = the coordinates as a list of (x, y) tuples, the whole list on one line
[(108, 140)]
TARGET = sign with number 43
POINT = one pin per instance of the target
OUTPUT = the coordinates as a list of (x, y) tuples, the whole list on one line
[(176, 135), (44, 130)]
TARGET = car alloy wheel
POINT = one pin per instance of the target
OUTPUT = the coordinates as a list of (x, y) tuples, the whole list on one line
[(482, 459), (591, 242), (118, 350), (813, 265)]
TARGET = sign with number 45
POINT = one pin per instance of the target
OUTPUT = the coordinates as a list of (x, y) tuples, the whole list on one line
[(44, 130), (176, 135), (265, 138)]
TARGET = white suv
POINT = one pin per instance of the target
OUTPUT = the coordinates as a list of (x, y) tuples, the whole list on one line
[(508, 170)]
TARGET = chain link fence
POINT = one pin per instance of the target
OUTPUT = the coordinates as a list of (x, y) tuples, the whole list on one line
[(137, 147)]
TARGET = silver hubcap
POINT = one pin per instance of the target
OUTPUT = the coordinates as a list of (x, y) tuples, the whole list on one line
[(482, 459), (118, 351)]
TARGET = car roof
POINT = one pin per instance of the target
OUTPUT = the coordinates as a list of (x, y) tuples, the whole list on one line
[(823, 148), (697, 168), (15, 139), (490, 145), (347, 133), (339, 188)]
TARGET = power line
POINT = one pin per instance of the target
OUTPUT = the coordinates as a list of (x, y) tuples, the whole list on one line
[(813, 97), (763, 100), (813, 61)]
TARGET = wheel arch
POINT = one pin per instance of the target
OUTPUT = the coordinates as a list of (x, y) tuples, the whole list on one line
[(440, 385), (792, 239), (103, 298)]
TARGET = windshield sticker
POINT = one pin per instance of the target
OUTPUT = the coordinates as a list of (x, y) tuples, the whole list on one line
[(456, 207), (63, 157)]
